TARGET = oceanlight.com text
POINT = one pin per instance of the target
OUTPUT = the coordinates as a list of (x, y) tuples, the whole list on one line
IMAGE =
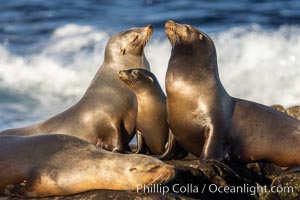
[(212, 188)]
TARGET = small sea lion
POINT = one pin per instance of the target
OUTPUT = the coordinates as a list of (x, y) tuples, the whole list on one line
[(211, 124), (152, 121), (56, 164), (106, 114)]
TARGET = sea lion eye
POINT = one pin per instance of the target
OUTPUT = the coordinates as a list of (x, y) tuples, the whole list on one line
[(200, 36), (135, 73)]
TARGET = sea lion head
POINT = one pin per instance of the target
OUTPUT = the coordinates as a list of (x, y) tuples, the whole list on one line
[(137, 170), (189, 42), (138, 79), (130, 42)]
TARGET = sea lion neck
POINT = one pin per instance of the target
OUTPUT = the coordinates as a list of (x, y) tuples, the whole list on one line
[(201, 70), (127, 61), (181, 63), (110, 70)]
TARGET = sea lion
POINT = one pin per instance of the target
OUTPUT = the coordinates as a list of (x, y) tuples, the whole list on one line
[(106, 114), (152, 113), (152, 121), (57, 164), (208, 122)]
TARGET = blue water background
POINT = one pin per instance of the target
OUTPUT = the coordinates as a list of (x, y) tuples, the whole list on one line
[(24, 23)]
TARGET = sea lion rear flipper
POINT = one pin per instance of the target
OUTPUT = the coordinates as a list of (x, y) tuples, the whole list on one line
[(19, 190), (141, 145), (290, 170), (224, 166)]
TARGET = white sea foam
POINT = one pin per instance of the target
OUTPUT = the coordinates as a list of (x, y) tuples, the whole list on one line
[(61, 70), (262, 66), (255, 64)]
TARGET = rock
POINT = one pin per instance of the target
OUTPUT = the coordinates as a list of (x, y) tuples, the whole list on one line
[(294, 112), (107, 195), (266, 170), (285, 187), (279, 108)]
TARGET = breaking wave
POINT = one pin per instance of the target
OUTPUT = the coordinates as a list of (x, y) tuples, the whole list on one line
[(254, 64)]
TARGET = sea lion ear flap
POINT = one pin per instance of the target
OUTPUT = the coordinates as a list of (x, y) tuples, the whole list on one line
[(122, 50), (200, 36)]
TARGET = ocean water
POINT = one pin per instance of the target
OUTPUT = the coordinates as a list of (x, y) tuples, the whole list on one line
[(50, 50)]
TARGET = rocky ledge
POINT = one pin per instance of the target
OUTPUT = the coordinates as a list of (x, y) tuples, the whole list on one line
[(210, 181)]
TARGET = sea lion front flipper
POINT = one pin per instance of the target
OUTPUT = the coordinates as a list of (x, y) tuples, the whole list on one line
[(141, 145), (213, 148), (169, 153), (173, 149)]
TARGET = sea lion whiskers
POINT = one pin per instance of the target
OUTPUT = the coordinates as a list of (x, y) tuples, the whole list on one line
[(145, 43), (145, 37), (182, 33)]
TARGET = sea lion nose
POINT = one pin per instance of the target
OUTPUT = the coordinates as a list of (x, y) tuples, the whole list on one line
[(121, 73), (149, 27)]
